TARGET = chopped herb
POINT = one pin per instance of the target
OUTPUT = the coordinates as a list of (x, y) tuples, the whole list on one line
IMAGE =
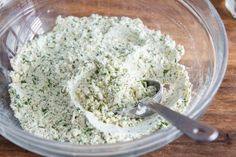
[(22, 81), (166, 71)]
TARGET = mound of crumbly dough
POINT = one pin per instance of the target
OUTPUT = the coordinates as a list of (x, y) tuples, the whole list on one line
[(108, 57)]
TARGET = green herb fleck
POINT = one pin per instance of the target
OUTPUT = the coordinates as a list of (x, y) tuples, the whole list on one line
[(166, 71), (23, 81)]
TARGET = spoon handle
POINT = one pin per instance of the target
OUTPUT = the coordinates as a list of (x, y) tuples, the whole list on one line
[(193, 129)]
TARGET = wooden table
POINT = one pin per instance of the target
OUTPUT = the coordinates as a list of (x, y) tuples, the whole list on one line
[(221, 114)]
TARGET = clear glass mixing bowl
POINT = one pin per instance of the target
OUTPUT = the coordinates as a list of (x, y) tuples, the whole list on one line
[(194, 24)]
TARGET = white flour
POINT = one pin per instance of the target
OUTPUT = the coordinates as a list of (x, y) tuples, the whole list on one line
[(68, 84)]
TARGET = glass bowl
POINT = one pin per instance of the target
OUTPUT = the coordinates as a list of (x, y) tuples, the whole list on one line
[(194, 24)]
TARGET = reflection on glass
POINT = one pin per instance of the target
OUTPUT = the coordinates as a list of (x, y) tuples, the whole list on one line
[(231, 6)]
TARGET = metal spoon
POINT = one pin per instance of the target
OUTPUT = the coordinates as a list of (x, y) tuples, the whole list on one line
[(193, 129)]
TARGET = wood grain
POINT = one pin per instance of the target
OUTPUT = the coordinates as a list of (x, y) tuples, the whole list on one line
[(221, 114)]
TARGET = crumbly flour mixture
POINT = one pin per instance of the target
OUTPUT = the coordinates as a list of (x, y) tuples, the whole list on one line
[(69, 84)]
